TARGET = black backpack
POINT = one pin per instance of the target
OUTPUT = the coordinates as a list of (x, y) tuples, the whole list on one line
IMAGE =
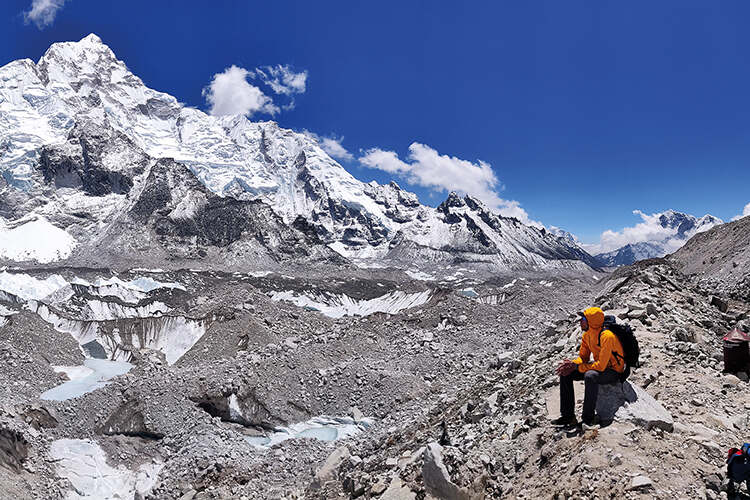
[(738, 464), (625, 335)]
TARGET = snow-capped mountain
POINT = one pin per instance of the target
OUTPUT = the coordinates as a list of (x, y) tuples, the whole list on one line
[(632, 252), (678, 229), (83, 140)]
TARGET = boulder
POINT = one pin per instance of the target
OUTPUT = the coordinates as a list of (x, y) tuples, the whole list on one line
[(437, 481), (629, 402), (730, 380), (397, 490), (637, 313), (682, 334), (721, 304), (639, 482), (506, 359), (329, 470)]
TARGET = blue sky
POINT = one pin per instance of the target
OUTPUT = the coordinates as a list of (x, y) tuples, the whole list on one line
[(579, 111)]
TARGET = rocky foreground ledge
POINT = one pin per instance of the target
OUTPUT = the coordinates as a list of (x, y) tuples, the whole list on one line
[(671, 424)]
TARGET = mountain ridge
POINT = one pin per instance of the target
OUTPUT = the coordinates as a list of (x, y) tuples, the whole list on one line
[(678, 228)]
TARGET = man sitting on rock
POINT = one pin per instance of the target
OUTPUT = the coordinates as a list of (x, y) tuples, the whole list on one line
[(608, 364)]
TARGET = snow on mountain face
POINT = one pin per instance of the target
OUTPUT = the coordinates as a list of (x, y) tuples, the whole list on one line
[(630, 253), (679, 228), (80, 134)]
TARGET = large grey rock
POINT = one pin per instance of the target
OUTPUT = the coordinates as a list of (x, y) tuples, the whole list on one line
[(397, 490), (639, 482), (721, 304), (329, 470), (506, 359), (437, 481), (631, 403)]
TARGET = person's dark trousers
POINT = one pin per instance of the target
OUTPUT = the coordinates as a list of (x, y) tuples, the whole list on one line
[(592, 379)]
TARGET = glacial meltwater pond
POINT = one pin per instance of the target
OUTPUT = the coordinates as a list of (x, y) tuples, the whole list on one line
[(322, 428), (91, 376)]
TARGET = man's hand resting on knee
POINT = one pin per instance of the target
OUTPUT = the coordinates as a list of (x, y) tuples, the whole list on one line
[(566, 367)]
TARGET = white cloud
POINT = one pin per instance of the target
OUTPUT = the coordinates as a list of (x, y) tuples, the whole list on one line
[(331, 145), (648, 230), (229, 93), (43, 12), (427, 168), (745, 213), (282, 79)]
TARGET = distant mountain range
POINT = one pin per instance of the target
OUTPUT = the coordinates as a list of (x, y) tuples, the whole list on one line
[(98, 169), (680, 228)]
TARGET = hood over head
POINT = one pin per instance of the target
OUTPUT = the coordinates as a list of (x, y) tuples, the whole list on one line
[(595, 317)]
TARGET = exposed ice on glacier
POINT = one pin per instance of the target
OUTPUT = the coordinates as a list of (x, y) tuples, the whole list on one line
[(84, 464), (323, 428), (93, 375), (30, 288), (469, 292), (338, 305), (172, 335)]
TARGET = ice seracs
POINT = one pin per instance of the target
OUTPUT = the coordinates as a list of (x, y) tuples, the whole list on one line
[(338, 305)]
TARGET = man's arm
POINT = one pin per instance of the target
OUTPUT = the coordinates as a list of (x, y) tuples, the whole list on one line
[(583, 354)]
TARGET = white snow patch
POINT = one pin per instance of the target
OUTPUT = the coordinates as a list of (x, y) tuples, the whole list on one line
[(338, 305), (37, 240), (510, 285), (93, 375), (420, 275), (84, 464)]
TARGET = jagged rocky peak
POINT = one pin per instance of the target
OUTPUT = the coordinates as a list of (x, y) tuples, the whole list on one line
[(452, 201), (86, 61)]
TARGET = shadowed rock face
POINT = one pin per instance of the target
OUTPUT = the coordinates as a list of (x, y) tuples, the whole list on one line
[(721, 256), (179, 209), (81, 162), (128, 420), (40, 418), (13, 450), (244, 409)]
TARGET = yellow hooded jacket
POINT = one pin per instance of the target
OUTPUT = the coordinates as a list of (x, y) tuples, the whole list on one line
[(606, 348)]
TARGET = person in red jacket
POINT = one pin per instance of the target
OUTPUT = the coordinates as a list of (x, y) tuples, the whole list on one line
[(608, 364)]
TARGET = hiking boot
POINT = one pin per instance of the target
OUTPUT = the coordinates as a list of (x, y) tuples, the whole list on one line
[(589, 425), (565, 422)]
